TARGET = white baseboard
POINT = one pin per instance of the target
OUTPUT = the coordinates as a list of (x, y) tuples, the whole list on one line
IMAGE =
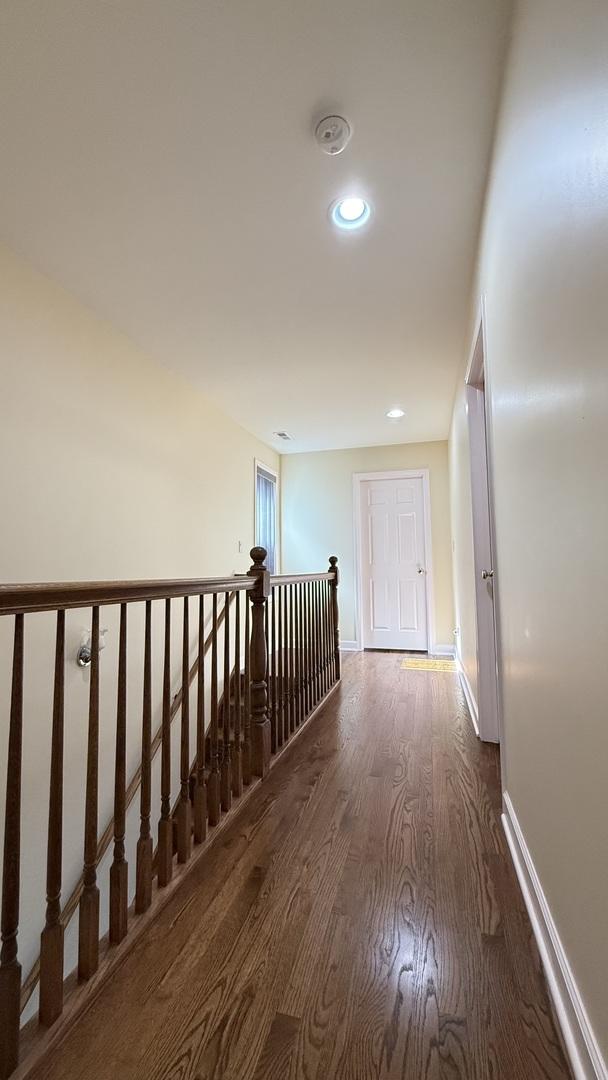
[(469, 695), (443, 650), (350, 646), (582, 1046)]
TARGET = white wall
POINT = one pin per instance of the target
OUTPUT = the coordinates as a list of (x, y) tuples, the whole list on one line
[(111, 468), (317, 518), (544, 272)]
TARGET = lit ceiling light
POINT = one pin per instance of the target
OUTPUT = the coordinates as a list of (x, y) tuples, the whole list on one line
[(395, 414), (350, 213)]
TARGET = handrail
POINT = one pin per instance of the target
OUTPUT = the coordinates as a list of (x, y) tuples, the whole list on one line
[(296, 579), (71, 905), (60, 596)]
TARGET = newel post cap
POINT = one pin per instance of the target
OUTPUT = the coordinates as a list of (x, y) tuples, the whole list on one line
[(258, 557), (259, 571)]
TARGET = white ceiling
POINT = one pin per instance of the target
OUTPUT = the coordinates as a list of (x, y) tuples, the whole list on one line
[(158, 161)]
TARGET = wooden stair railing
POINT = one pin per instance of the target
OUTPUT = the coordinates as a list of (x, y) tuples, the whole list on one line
[(84, 893), (278, 666)]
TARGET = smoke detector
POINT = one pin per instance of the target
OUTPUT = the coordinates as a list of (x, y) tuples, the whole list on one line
[(333, 134)]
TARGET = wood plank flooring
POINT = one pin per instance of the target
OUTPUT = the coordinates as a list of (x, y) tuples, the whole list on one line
[(360, 920)]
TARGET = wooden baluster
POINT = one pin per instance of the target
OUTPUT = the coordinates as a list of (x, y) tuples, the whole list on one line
[(333, 565), (324, 593), (330, 638), (260, 724), (51, 940), (119, 871), (319, 648), (328, 679), (322, 627), (286, 688), (273, 673), (294, 648), (213, 783), (200, 791), (165, 825), (296, 594), (313, 642), (143, 866), (301, 650), (320, 635), (184, 809), (308, 648), (226, 774), (289, 638), (330, 634), (88, 915), (237, 755), (304, 652), (247, 717), (280, 668), (10, 968), (294, 600), (267, 638), (286, 683)]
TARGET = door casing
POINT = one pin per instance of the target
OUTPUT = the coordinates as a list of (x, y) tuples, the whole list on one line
[(394, 474)]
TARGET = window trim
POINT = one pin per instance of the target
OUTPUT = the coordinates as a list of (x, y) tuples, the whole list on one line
[(259, 464)]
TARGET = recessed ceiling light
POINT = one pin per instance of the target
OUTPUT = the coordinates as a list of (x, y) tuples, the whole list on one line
[(395, 414), (350, 213)]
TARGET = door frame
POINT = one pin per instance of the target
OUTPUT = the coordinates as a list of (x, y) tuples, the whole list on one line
[(394, 474), (482, 499)]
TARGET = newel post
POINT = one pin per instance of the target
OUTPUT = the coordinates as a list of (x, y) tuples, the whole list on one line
[(260, 723), (333, 569)]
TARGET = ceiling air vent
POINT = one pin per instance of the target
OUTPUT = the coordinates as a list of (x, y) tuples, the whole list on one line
[(283, 435)]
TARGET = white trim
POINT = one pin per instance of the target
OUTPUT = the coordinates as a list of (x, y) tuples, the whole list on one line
[(395, 474), (350, 646), (442, 650), (468, 694), (581, 1043), (257, 462)]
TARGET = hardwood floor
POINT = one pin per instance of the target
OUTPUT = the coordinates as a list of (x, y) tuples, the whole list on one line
[(359, 920)]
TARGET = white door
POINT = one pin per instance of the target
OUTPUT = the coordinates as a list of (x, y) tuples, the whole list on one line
[(488, 697), (393, 585)]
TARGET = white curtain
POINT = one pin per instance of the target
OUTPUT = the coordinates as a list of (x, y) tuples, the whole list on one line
[(266, 515)]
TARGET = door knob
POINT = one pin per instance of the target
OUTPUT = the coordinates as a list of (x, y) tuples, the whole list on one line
[(487, 574), (421, 569)]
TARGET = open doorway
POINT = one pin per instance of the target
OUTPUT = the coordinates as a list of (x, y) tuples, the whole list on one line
[(484, 547)]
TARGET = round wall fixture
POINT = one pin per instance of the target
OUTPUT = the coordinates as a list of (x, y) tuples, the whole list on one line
[(333, 134), (350, 213)]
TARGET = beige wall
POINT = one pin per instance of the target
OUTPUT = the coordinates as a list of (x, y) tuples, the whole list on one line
[(317, 517), (111, 468), (544, 273)]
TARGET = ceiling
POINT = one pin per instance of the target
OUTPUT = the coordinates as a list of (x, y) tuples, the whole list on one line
[(158, 161)]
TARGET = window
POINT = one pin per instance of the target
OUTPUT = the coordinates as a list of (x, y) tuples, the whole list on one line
[(266, 513)]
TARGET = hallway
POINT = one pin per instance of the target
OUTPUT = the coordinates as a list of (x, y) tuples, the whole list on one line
[(359, 919)]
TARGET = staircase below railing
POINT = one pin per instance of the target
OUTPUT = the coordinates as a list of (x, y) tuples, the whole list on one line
[(273, 660)]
